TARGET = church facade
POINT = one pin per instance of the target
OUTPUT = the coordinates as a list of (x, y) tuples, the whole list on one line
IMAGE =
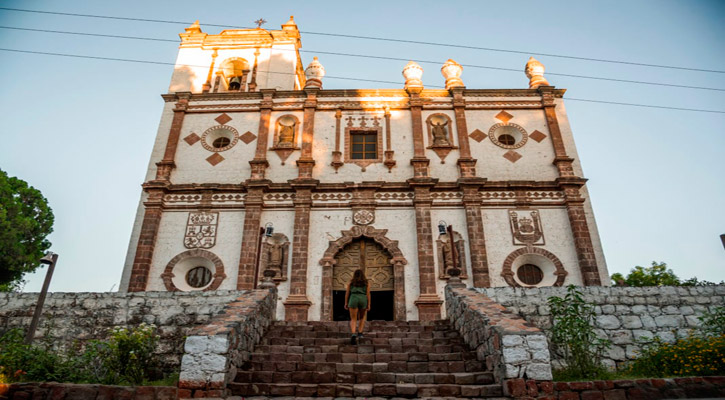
[(258, 172)]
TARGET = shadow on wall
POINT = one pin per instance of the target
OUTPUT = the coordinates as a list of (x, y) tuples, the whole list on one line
[(183, 80), (280, 73)]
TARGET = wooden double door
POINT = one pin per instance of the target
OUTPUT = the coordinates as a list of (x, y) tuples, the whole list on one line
[(371, 257)]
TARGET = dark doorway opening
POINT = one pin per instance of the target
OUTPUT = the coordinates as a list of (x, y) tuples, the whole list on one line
[(382, 302)]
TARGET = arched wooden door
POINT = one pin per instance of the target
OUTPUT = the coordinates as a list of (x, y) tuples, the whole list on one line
[(371, 257)]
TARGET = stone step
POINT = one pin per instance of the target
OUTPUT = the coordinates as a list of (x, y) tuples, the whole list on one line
[(311, 342), (443, 323), (317, 377), (409, 390), (336, 356), (392, 366), (291, 333)]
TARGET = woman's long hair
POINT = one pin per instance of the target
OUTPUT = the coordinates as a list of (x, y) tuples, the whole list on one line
[(358, 279)]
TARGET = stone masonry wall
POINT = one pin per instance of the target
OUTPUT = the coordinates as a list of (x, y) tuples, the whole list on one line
[(78, 317), (625, 315), (511, 347)]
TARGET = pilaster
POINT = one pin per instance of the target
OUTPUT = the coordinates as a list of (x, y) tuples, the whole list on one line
[(259, 163), (476, 235), (166, 165), (466, 164), (297, 304), (429, 303), (250, 236), (146, 242)]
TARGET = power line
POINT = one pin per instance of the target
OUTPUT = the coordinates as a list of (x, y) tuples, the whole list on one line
[(380, 39), (335, 77), (384, 58)]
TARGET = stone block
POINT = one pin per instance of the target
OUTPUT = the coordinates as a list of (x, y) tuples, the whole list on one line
[(640, 335), (195, 344), (621, 336), (670, 321), (218, 344), (512, 340), (515, 355), (539, 372), (608, 322), (648, 322), (631, 322), (537, 342), (213, 362)]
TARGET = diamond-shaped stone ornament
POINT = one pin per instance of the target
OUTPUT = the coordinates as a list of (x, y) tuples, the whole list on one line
[(215, 159), (538, 136), (192, 139), (504, 117), (512, 156), (477, 135), (248, 137), (223, 119)]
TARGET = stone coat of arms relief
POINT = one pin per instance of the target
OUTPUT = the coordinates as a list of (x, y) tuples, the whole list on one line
[(201, 230)]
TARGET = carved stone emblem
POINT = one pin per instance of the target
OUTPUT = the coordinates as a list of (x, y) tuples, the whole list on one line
[(526, 229), (363, 217), (201, 230)]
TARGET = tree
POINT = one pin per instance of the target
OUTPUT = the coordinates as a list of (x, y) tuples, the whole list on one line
[(25, 222), (656, 275)]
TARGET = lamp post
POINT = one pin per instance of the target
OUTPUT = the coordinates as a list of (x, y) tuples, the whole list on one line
[(49, 259)]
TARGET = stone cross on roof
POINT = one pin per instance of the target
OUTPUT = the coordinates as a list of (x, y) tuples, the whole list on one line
[(260, 22)]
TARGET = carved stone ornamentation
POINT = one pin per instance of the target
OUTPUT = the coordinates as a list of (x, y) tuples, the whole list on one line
[(413, 74), (535, 72), (313, 74), (440, 135), (445, 255), (452, 70), (363, 217), (526, 229), (201, 230), (275, 256), (285, 136)]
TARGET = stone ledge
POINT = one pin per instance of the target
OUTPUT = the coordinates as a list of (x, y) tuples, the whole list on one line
[(212, 353), (63, 391), (510, 346)]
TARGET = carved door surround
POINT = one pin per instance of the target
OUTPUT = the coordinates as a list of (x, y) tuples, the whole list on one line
[(396, 260)]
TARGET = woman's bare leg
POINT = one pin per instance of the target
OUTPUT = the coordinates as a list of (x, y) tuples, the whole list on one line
[(363, 318), (353, 319)]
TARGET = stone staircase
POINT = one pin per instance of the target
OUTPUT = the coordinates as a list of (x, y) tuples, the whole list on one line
[(412, 359)]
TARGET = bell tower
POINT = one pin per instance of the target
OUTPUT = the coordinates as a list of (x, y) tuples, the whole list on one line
[(238, 60)]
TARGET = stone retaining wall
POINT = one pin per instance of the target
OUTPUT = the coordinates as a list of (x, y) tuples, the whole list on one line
[(623, 314), (214, 352), (69, 391), (511, 347), (639, 389), (77, 317)]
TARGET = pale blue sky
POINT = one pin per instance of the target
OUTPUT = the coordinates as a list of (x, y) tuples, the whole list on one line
[(81, 130)]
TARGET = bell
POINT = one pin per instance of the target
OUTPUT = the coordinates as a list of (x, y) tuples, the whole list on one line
[(235, 83)]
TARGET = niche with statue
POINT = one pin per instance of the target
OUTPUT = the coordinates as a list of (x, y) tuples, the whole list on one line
[(275, 256), (440, 135), (446, 255)]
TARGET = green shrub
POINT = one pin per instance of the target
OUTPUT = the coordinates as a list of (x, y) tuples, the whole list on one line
[(573, 337), (693, 356), (126, 357), (712, 323)]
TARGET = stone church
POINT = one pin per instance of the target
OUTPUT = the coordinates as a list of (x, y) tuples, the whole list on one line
[(260, 173)]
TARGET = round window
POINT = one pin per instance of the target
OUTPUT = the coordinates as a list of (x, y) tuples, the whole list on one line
[(507, 139), (508, 136), (530, 274), (219, 138), (221, 142), (198, 277)]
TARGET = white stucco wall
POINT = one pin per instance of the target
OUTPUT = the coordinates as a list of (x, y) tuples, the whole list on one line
[(170, 243)]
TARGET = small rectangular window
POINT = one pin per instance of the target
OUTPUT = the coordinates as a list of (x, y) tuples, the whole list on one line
[(364, 145)]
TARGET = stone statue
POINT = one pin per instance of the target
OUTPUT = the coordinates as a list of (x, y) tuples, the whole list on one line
[(275, 256), (286, 135), (440, 136), (447, 256)]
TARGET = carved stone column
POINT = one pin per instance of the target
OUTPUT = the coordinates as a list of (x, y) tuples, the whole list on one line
[(571, 184), (305, 163), (429, 303), (146, 241), (259, 163), (466, 164), (164, 167), (250, 237), (476, 236), (297, 304)]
